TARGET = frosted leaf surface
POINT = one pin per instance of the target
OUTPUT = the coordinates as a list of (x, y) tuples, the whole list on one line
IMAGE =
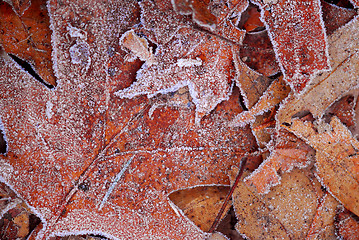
[(275, 93), (325, 89), (286, 212), (187, 57), (298, 35), (336, 158), (208, 82), (79, 137), (289, 152), (139, 46), (323, 223)]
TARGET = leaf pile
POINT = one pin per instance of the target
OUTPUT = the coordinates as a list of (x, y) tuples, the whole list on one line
[(127, 119)]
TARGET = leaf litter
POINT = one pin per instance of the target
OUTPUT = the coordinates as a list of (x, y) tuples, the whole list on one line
[(119, 160)]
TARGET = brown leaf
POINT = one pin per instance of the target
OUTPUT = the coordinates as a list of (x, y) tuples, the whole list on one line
[(111, 162), (328, 87), (27, 36), (200, 204), (347, 225), (336, 160), (282, 213), (257, 52), (323, 223), (302, 58), (335, 16)]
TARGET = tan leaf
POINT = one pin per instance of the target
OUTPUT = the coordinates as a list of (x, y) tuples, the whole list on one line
[(200, 204), (328, 87), (336, 160), (289, 152), (323, 223), (275, 93), (286, 212)]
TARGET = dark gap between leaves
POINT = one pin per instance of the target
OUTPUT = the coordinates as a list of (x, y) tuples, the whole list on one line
[(241, 102), (33, 222), (28, 68), (341, 3), (3, 144), (276, 76)]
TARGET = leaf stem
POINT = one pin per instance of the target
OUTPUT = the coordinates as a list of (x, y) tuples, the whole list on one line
[(220, 213)]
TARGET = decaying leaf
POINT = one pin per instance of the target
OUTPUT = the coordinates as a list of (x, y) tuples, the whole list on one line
[(288, 152), (328, 87), (26, 35), (200, 204), (298, 35), (286, 212), (337, 161), (275, 93), (347, 225), (322, 226), (110, 164)]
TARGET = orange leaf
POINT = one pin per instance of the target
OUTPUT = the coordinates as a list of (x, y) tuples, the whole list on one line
[(27, 36), (298, 35), (88, 161)]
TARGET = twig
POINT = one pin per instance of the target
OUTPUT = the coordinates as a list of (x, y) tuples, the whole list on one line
[(220, 213)]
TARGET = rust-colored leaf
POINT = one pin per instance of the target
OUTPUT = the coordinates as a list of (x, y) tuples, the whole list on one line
[(27, 35), (347, 225), (298, 35), (257, 52), (289, 152), (329, 87), (111, 162)]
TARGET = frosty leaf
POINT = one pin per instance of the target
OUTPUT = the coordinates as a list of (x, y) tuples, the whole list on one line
[(275, 93), (328, 87), (19, 6), (347, 225), (323, 223), (215, 16), (139, 46), (336, 160), (111, 163), (207, 71), (200, 11), (187, 57), (200, 204), (335, 16), (298, 35), (257, 52), (284, 213), (289, 152), (27, 36)]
